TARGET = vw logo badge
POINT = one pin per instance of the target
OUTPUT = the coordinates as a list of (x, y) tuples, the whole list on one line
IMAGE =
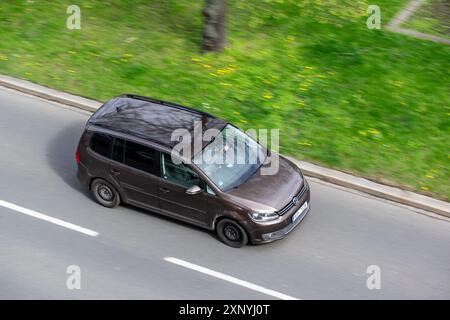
[(294, 200)]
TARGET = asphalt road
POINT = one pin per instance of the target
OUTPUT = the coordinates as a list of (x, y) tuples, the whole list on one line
[(326, 257)]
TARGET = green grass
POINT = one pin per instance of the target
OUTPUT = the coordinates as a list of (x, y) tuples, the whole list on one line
[(369, 102), (433, 18)]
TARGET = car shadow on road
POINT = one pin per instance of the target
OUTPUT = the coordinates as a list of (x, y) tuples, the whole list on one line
[(61, 157), (61, 154), (172, 220)]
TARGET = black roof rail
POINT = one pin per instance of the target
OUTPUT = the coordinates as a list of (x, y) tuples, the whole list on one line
[(129, 132), (164, 103)]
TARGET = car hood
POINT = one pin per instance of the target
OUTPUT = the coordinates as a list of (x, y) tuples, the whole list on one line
[(269, 192)]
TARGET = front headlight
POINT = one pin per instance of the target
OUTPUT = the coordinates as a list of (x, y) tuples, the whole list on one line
[(263, 216)]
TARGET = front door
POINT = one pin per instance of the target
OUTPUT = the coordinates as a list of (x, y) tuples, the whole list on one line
[(172, 192)]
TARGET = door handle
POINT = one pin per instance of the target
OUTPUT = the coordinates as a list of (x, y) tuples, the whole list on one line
[(164, 190), (115, 172)]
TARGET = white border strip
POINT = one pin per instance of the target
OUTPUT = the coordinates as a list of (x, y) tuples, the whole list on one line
[(228, 278), (44, 217), (404, 15)]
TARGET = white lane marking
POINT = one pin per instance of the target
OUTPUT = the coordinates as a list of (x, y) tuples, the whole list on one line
[(228, 278), (44, 217)]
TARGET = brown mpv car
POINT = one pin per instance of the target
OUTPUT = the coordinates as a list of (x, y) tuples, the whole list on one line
[(126, 155)]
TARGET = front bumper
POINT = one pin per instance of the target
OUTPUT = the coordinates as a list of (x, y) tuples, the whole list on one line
[(276, 235), (268, 232)]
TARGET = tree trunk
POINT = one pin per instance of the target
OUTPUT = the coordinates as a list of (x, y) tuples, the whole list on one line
[(214, 17)]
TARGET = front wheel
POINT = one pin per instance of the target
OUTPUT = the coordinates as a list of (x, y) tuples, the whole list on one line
[(231, 233), (105, 194)]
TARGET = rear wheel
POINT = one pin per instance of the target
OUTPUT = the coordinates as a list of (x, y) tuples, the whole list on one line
[(231, 233), (105, 194)]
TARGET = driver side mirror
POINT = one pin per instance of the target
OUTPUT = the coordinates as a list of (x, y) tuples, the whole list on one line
[(194, 190)]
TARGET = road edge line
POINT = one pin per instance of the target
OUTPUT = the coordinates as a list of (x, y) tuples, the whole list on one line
[(228, 278), (47, 218)]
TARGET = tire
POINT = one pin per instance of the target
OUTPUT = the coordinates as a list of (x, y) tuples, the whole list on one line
[(105, 194), (231, 233)]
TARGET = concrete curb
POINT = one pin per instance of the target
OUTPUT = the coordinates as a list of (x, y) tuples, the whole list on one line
[(336, 177), (379, 190), (49, 94)]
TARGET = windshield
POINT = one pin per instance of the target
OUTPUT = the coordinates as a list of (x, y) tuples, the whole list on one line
[(231, 158)]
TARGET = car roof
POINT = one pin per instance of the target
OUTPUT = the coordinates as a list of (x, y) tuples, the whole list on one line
[(151, 119)]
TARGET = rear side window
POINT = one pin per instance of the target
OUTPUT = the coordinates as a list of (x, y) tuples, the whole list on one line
[(141, 157), (118, 150), (101, 144)]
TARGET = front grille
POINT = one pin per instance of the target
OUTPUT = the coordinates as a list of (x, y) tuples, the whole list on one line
[(291, 203)]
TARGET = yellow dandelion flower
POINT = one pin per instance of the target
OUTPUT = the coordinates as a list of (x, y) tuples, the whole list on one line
[(362, 132), (374, 131), (424, 188), (267, 96), (290, 39), (304, 85)]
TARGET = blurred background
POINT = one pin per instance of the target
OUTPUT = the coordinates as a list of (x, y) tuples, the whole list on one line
[(369, 102)]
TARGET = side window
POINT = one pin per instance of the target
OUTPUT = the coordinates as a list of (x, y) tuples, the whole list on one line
[(178, 173), (101, 144), (118, 150), (141, 157)]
